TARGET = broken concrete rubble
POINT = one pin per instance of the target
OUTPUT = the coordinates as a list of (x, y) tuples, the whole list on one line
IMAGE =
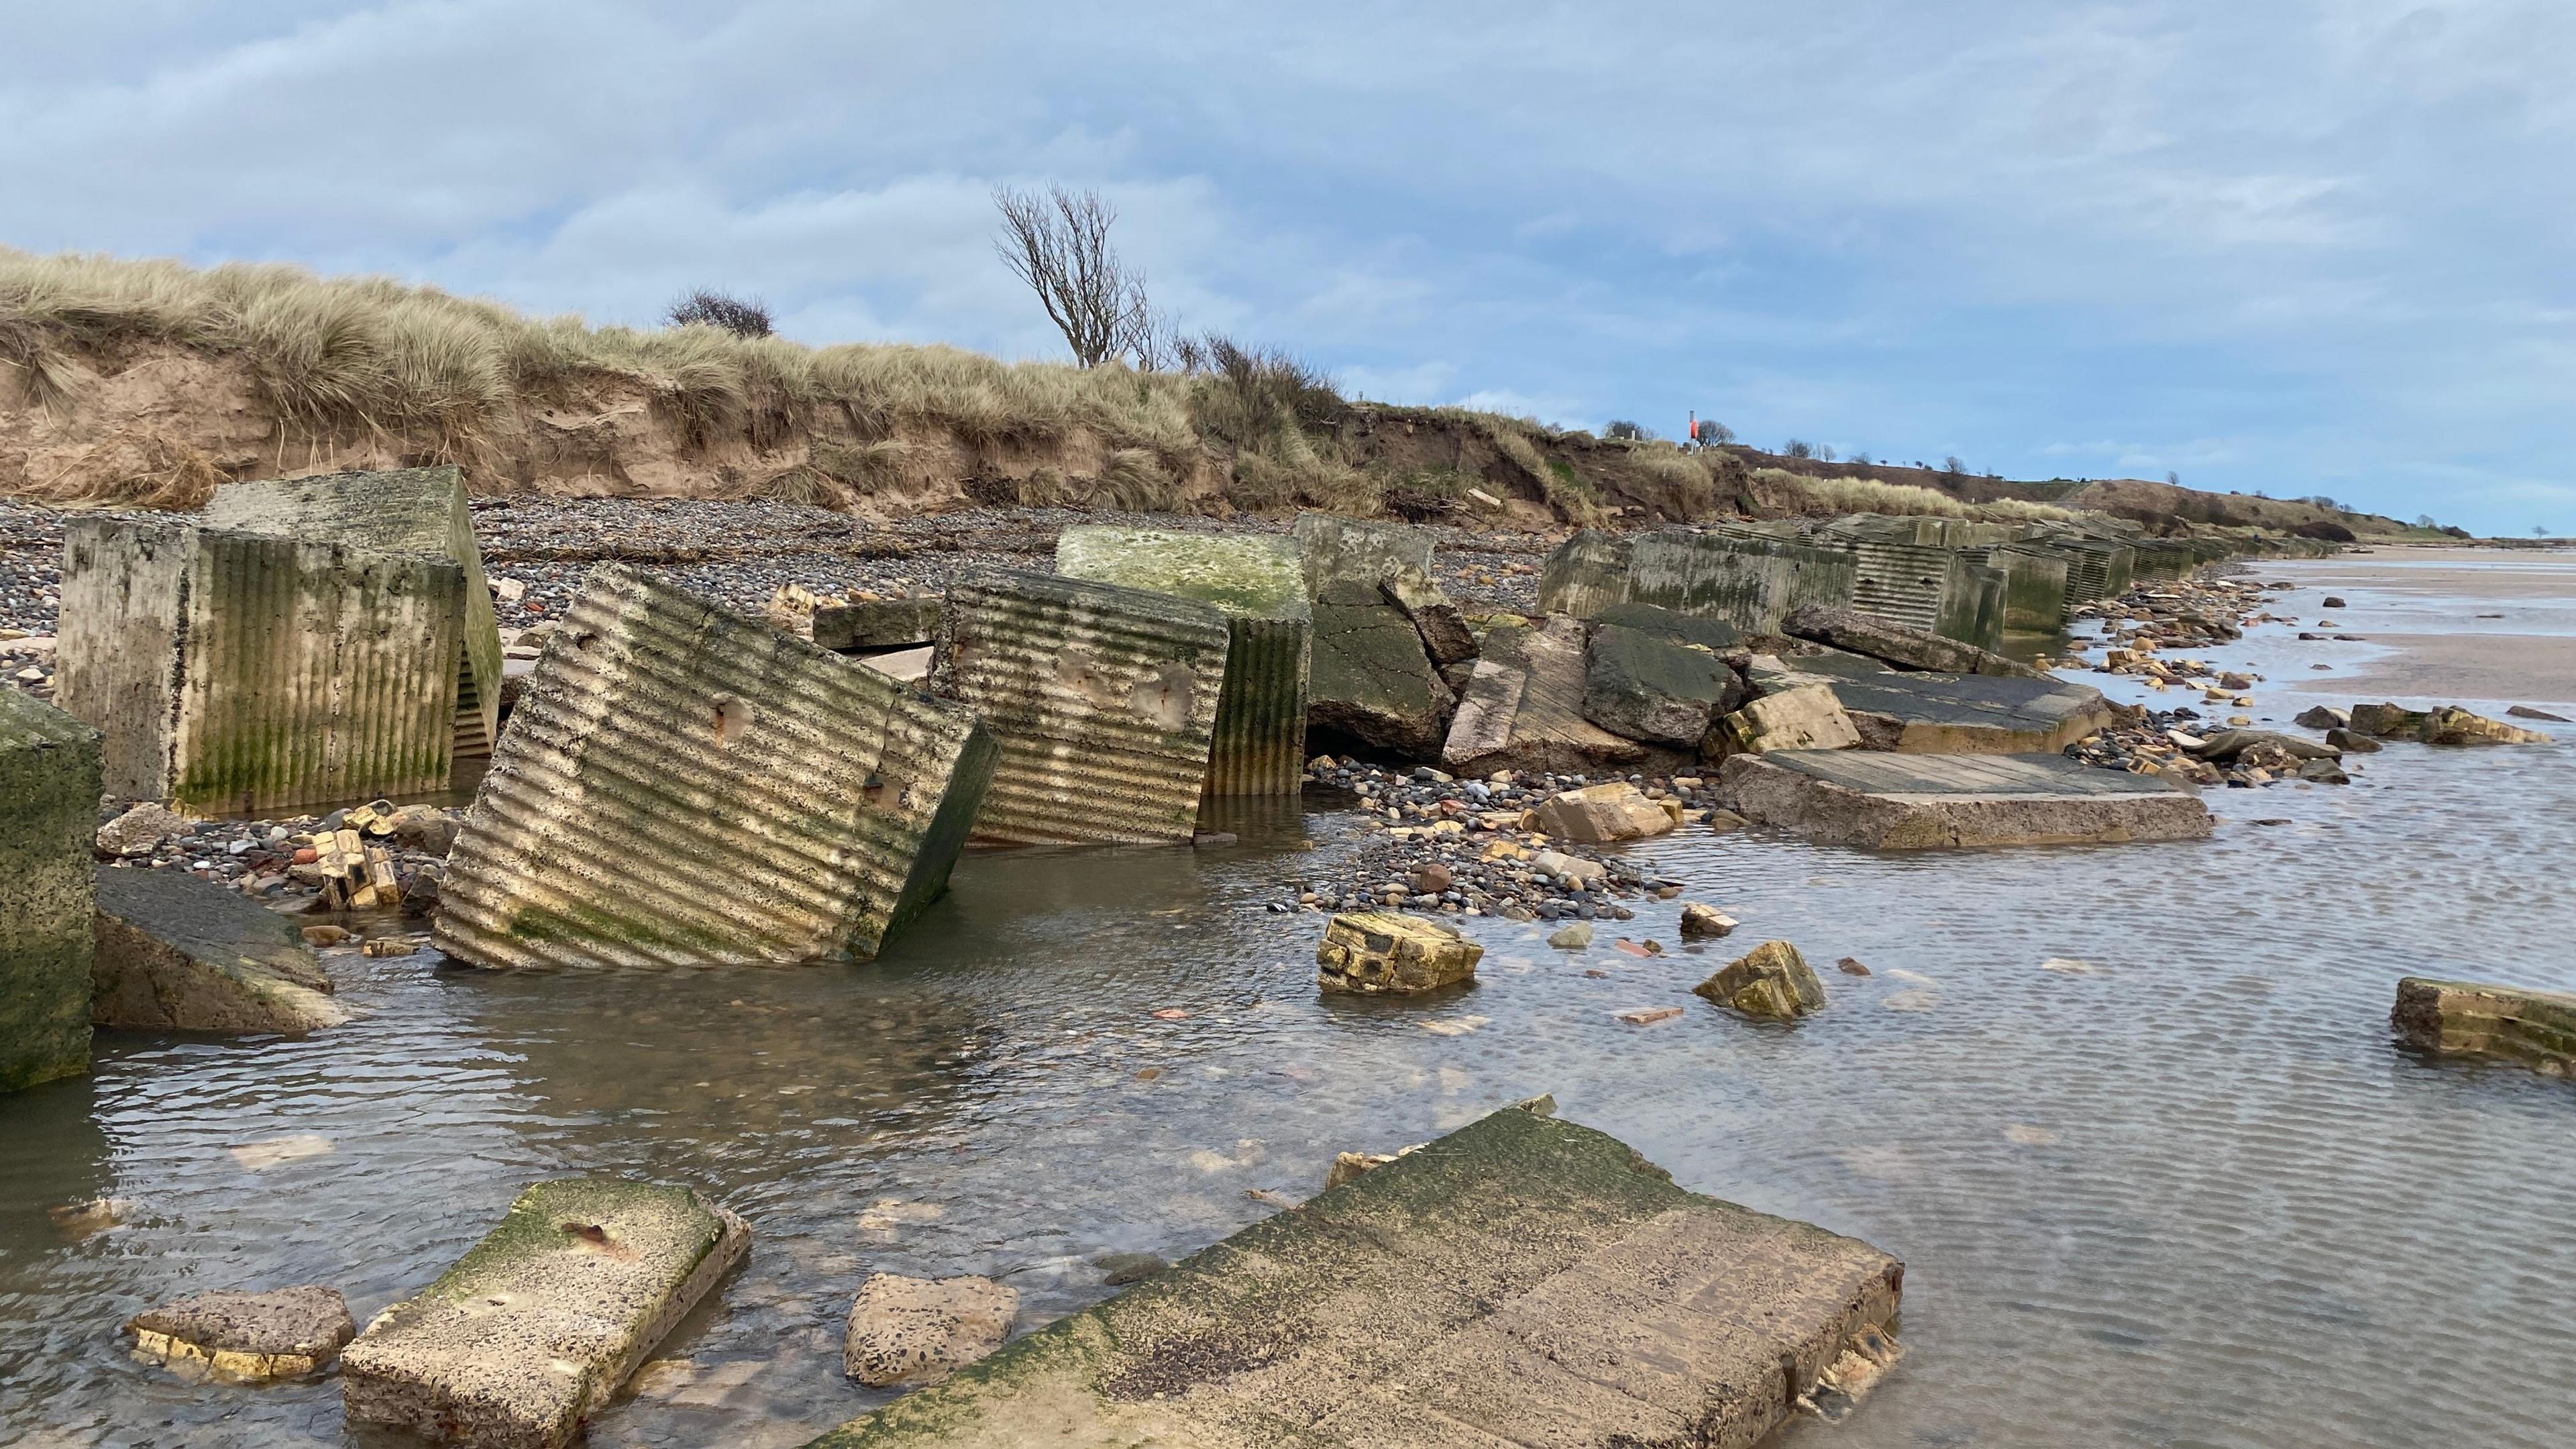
[(1807, 717), (683, 785), (1372, 680), (1388, 953), (2467, 1018), (541, 1322), (246, 1338), (242, 672), (1602, 815), (1256, 581), (49, 788), (1771, 982), (1659, 677), (1523, 709), (175, 953), (1704, 920), (877, 626), (921, 1330), (2440, 725), (1917, 712), (1858, 633), (1913, 802), (1517, 1250), (1445, 636)]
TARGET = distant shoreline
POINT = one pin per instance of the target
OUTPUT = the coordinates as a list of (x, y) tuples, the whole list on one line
[(2508, 668)]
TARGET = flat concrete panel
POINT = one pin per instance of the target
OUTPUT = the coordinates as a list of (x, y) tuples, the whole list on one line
[(1911, 802), (49, 788)]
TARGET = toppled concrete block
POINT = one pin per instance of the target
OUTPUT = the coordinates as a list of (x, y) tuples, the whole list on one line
[(681, 785), (2228, 744), (1916, 712), (1602, 814), (246, 673), (418, 511), (876, 626), (1525, 1252), (1445, 636), (544, 1319), (1372, 679), (1772, 981), (1898, 644), (1659, 677), (49, 788), (2467, 1018), (1808, 717), (1523, 709), (1703, 920), (1338, 550), (1584, 575), (2451, 725), (1385, 952), (1103, 701), (1915, 802), (175, 953), (1257, 581), (246, 1338), (921, 1330)]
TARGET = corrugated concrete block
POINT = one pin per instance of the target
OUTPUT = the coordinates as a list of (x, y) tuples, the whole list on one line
[(49, 774), (1338, 550), (1257, 581), (539, 1324), (1584, 575), (1749, 582), (244, 672), (1520, 1281), (683, 785), (401, 510), (1102, 699), (176, 953)]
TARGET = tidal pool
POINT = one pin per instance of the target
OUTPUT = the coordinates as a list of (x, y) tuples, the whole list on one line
[(2130, 1114)]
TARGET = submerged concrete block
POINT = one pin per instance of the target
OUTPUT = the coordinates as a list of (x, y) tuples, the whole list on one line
[(418, 511), (1915, 802), (1339, 550), (2470, 1018), (176, 953), (1390, 953), (1372, 678), (541, 1322), (921, 1330), (244, 672), (1584, 575), (1520, 1281), (246, 1338), (1258, 582), (1103, 701), (682, 785), (49, 788), (1523, 709)]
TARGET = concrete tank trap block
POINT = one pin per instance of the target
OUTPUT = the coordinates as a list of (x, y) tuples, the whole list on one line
[(49, 771), (1914, 802), (1103, 700), (1339, 550), (542, 1321), (682, 785), (417, 511), (1749, 582), (1520, 1281), (1257, 581), (176, 953), (245, 673)]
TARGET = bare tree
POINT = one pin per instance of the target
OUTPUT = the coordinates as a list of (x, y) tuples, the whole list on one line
[(705, 307), (1058, 243), (2172, 479), (1797, 448)]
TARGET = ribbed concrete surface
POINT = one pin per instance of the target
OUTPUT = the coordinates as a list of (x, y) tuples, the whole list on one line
[(681, 785), (1103, 700), (401, 510), (245, 672), (1750, 582), (1901, 582)]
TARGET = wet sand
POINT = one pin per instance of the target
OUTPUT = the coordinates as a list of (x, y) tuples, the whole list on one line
[(2489, 625), (2518, 668)]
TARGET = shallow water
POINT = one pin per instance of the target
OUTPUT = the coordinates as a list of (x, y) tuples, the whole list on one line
[(2176, 1189)]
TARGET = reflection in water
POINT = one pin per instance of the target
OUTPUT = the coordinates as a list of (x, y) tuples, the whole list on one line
[(2173, 1187)]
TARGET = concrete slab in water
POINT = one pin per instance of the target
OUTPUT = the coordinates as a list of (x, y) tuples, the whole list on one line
[(1521, 1281), (681, 785), (1908, 802), (2470, 1018), (539, 1323), (176, 953), (49, 788), (1945, 714)]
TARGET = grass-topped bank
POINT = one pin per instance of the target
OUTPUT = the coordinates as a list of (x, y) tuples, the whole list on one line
[(149, 382)]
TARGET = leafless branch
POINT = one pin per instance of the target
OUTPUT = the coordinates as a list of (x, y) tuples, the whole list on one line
[(1058, 243)]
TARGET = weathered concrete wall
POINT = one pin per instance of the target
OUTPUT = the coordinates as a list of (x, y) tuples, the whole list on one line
[(1584, 575), (683, 785), (1258, 582), (1338, 550), (1972, 604), (403, 510), (1102, 699), (1749, 582), (244, 672), (2034, 586), (1903, 582), (49, 787), (1520, 1281)]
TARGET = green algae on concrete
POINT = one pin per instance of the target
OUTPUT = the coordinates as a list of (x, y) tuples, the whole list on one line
[(1519, 1281), (2536, 1029), (176, 953), (1335, 549), (1257, 581), (544, 1319), (1372, 679), (49, 788)]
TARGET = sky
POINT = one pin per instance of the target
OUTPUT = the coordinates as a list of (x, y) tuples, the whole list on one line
[(2301, 248)]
